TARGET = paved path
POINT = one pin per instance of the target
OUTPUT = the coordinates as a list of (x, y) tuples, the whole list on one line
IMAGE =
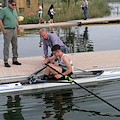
[(87, 60)]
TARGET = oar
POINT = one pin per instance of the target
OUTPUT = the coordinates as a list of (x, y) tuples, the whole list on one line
[(71, 80), (35, 73), (33, 76)]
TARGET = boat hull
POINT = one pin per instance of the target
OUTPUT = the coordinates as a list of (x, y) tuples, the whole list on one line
[(61, 84)]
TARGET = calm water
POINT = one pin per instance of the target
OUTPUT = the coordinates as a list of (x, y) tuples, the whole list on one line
[(69, 104), (78, 39), (115, 11)]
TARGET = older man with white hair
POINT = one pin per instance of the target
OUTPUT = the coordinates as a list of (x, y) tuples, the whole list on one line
[(49, 40)]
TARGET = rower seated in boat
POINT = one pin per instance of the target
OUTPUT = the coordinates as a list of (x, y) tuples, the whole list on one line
[(65, 64)]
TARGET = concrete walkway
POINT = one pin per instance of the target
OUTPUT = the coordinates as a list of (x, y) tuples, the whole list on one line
[(87, 60)]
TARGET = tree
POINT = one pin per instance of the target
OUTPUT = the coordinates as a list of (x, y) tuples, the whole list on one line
[(68, 2), (76, 1)]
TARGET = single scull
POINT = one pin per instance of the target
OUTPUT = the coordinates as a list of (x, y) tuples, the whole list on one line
[(78, 76)]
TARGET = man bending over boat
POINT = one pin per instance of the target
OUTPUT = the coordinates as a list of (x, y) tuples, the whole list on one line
[(49, 40), (65, 64)]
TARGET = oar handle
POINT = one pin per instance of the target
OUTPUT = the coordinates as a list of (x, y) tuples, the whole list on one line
[(69, 78)]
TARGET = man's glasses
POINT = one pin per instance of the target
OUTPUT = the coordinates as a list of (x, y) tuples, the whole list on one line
[(13, 4), (54, 52)]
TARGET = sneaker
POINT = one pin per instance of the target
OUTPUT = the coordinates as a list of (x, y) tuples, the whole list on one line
[(45, 77), (85, 18), (16, 63), (6, 65), (32, 81)]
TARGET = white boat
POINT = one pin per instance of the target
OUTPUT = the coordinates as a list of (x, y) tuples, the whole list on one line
[(78, 76)]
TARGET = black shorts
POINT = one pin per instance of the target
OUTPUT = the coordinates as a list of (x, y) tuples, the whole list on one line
[(63, 70), (63, 78), (51, 16)]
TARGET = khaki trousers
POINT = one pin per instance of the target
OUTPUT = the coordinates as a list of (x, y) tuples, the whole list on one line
[(10, 37)]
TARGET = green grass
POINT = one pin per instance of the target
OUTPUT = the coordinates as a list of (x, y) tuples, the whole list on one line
[(97, 8)]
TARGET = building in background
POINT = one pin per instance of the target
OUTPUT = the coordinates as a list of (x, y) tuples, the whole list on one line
[(24, 5), (27, 6)]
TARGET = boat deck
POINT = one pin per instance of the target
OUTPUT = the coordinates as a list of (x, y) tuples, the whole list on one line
[(85, 61)]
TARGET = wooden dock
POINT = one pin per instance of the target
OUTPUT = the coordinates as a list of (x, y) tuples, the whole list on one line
[(72, 23), (104, 60)]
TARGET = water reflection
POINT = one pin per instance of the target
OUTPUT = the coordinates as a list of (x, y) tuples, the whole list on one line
[(58, 104), (51, 30), (115, 8), (77, 41), (13, 108), (63, 104), (75, 38)]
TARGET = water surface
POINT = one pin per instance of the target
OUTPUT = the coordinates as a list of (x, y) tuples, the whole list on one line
[(65, 104)]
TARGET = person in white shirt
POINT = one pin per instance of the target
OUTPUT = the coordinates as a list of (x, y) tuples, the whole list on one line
[(51, 13), (40, 13), (85, 7), (65, 64)]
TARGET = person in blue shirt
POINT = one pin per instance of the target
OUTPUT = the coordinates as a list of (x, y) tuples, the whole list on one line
[(49, 40)]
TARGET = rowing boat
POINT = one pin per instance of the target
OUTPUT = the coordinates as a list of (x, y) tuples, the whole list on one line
[(81, 77)]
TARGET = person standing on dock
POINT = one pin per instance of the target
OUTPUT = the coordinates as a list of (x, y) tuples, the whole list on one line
[(49, 40), (85, 7), (40, 12), (10, 26)]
